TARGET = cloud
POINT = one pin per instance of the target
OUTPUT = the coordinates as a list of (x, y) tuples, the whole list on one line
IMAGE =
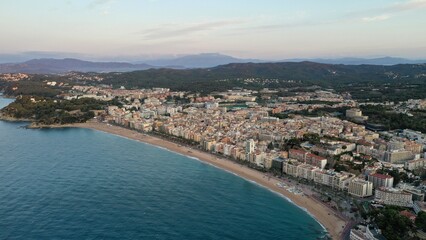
[(406, 6), (286, 25), (386, 12), (369, 15), (176, 30), (299, 19), (103, 6), (97, 3), (376, 18)]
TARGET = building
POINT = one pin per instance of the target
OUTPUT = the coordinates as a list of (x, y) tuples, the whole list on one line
[(306, 171), (400, 156), (356, 115), (419, 206), (297, 154), (413, 147), (290, 167), (315, 160), (360, 188), (414, 164), (362, 232), (418, 195), (408, 214), (392, 196), (330, 178), (415, 136), (308, 158), (249, 150), (381, 180), (250, 146), (394, 146), (277, 164), (353, 113)]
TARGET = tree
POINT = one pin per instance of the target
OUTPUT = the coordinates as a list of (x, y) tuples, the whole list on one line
[(340, 168), (394, 226), (421, 221), (396, 177), (312, 138), (293, 142)]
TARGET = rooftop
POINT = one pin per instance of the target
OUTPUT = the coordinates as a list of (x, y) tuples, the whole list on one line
[(381, 176)]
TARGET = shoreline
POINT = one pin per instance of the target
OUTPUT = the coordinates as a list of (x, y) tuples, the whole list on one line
[(324, 215), (13, 119)]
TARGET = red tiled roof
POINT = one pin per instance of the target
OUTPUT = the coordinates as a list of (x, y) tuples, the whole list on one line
[(408, 214), (315, 157), (382, 176), (297, 151)]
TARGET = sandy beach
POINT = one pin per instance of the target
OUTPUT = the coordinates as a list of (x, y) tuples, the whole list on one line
[(325, 215)]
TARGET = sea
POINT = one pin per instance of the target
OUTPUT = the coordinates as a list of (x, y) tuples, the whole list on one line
[(86, 184)]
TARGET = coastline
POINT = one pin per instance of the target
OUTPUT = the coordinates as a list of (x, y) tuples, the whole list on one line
[(13, 119), (327, 217)]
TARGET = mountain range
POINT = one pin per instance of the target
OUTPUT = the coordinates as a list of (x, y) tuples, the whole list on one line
[(268, 75), (360, 61), (206, 60), (49, 65)]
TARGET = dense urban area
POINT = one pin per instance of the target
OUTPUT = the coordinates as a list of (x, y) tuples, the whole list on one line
[(359, 148)]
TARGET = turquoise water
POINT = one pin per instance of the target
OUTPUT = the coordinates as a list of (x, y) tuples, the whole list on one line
[(85, 184)]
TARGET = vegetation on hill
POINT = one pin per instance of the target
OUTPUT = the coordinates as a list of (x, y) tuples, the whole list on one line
[(363, 82), (394, 226), (421, 221), (379, 92), (49, 111), (271, 75), (30, 88), (392, 120)]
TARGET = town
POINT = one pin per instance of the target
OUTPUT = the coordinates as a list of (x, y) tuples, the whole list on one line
[(368, 169), (213, 120), (318, 142)]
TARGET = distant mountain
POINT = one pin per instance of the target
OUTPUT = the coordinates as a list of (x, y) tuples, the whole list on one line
[(208, 60), (360, 61), (50, 65), (53, 65), (25, 56), (204, 60)]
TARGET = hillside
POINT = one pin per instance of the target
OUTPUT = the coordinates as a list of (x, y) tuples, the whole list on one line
[(360, 61), (273, 75)]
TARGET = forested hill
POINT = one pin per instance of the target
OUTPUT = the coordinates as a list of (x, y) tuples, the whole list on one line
[(255, 75)]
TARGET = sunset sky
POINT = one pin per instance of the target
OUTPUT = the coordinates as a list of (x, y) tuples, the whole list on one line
[(267, 29)]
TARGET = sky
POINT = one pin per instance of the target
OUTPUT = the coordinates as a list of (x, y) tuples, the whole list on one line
[(262, 29)]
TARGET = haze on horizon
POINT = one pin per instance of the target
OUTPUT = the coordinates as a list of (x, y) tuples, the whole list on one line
[(268, 29)]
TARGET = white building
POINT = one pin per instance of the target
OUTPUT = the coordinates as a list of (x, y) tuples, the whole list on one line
[(395, 197), (360, 188), (414, 164), (362, 232), (415, 136), (381, 180), (419, 207), (250, 146), (354, 112)]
